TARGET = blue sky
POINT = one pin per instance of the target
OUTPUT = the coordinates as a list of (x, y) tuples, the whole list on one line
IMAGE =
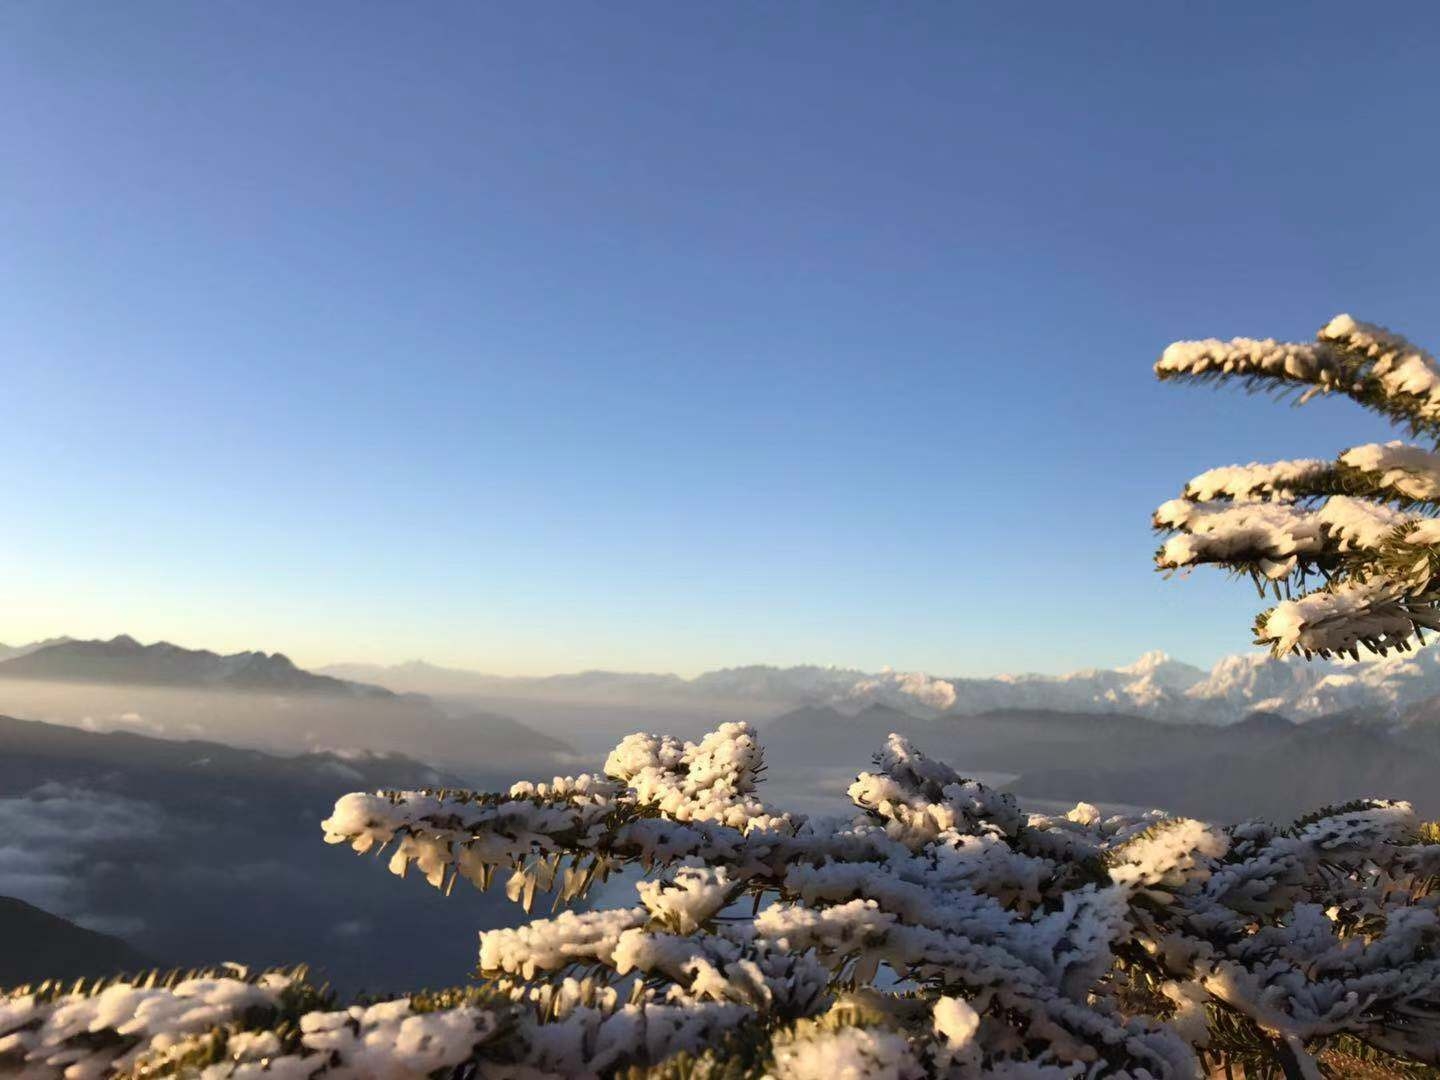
[(540, 337)]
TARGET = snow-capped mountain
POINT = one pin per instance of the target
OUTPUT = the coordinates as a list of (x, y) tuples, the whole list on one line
[(1166, 689), (1156, 685), (762, 682)]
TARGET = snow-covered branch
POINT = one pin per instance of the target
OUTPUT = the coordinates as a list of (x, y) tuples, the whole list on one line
[(939, 931), (1044, 928), (1374, 366), (1360, 523)]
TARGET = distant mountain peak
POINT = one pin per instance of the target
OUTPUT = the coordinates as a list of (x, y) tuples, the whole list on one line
[(123, 660), (1260, 720), (1148, 662), (1155, 685)]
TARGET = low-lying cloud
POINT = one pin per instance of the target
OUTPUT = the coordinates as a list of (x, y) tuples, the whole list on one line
[(54, 836)]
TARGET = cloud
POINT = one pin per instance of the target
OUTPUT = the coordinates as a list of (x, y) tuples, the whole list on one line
[(45, 879), (273, 876), (68, 817), (341, 771), (50, 837), (122, 721)]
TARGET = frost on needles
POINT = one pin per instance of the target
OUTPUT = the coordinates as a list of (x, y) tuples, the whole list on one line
[(940, 931), (1348, 547)]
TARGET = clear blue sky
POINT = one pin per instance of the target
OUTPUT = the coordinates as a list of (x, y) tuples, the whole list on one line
[(538, 337)]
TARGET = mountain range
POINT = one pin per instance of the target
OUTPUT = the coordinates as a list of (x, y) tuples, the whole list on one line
[(1156, 686), (9, 652), (193, 849), (124, 660), (261, 701), (1262, 766)]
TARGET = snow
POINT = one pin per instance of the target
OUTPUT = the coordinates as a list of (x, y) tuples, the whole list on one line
[(1246, 356), (1156, 685), (930, 880), (1350, 356), (1277, 481), (1167, 689), (1400, 367), (894, 688), (146, 1028), (692, 896), (1019, 929), (957, 1023), (1406, 470), (1342, 619), (850, 1053), (388, 1040), (1274, 535), (1248, 518)]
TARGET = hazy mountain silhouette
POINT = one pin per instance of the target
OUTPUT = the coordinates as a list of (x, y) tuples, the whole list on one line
[(124, 660), (259, 700), (1004, 740), (1279, 781), (1262, 766), (9, 652), (416, 676)]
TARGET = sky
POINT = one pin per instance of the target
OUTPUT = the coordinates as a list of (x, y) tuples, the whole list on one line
[(534, 338)]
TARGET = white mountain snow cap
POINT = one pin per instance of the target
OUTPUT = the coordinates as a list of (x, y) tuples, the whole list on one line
[(1158, 669), (896, 686), (1149, 662)]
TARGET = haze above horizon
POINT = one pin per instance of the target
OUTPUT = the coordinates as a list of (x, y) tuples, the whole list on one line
[(670, 339)]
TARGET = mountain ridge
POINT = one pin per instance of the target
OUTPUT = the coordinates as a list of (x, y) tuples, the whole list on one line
[(10, 652), (40, 945), (1221, 773), (259, 700), (123, 659), (1155, 685)]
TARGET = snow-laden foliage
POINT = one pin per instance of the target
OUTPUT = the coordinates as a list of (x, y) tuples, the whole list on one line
[(1360, 527), (941, 931), (219, 1025)]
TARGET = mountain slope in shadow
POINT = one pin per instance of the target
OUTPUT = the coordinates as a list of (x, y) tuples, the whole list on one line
[(35, 945)]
